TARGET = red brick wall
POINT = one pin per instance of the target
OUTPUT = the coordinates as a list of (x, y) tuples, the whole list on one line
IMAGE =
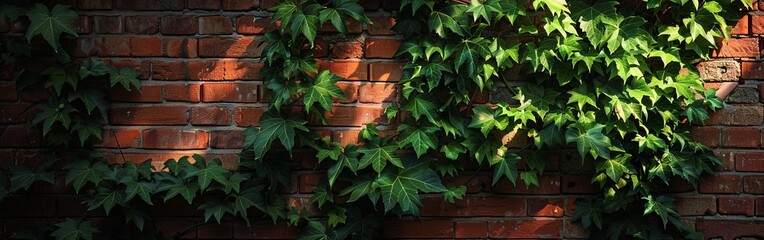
[(199, 60)]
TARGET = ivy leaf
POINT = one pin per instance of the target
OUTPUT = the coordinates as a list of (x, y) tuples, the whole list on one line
[(331, 14), (106, 198), (421, 138), (379, 156), (91, 100), (93, 67), (50, 24), (23, 178), (589, 140), (85, 129), (439, 21), (186, 190), (416, 4), (336, 216), (453, 192), (663, 206), (213, 171), (587, 213), (142, 189), (124, 76), (216, 208), (71, 229), (582, 96), (484, 118), (306, 25), (483, 9), (272, 127), (506, 167), (402, 189), (250, 197), (59, 77), (284, 13), (421, 106), (615, 168), (529, 178), (696, 113), (314, 231), (322, 91), (556, 6), (350, 8), (81, 172)]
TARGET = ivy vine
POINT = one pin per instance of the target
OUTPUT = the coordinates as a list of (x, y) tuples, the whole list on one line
[(613, 80)]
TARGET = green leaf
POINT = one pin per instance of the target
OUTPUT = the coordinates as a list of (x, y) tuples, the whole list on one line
[(314, 231), (213, 171), (272, 127), (176, 186), (336, 216), (589, 140), (142, 189), (453, 192), (529, 178), (421, 106), (663, 206), (484, 118), (506, 167), (483, 9), (50, 24), (216, 208), (71, 229), (587, 213), (81, 172), (124, 76), (420, 139), (92, 100), (378, 157), (331, 14), (322, 91), (106, 198), (306, 25), (615, 168), (250, 197), (402, 189), (85, 129), (439, 21), (59, 77), (52, 113)]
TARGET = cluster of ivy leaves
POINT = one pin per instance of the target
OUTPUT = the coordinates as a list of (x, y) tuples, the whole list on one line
[(613, 80)]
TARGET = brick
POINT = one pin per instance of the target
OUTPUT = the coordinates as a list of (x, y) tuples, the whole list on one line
[(215, 25), (240, 5), (545, 207), (708, 136), (161, 70), (738, 47), (115, 46), (229, 47), (579, 184), (170, 138), (471, 229), (94, 5), (182, 92), (377, 93), (180, 47), (205, 4), (149, 115), (309, 181), (174, 227), (107, 24), (241, 70), (727, 158), (88, 47), (229, 92), (743, 94), (143, 67), (268, 4), (265, 230), (574, 230), (145, 47), (381, 47), (740, 137), (246, 116), (737, 115), (475, 207), (84, 24), (218, 116), (547, 185), (749, 162), (425, 228), (345, 137), (736, 205), (119, 138), (385, 71), (206, 70), (753, 184), (15, 113), (351, 26), (720, 184), (230, 139), (752, 70), (349, 70), (757, 24), (719, 70), (535, 228), (19, 137), (696, 205), (178, 25), (354, 116), (742, 26), (151, 5), (345, 50), (320, 49), (350, 90), (9, 92), (254, 25), (760, 206), (382, 25), (142, 24), (222, 230), (147, 94)]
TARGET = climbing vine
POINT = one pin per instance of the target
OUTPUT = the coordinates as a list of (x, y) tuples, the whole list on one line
[(613, 81)]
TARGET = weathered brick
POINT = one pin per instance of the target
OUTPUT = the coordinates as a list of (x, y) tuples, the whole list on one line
[(736, 205), (215, 25), (471, 229), (9, 92), (531, 228), (708, 136), (226, 139), (719, 70), (142, 24), (151, 5), (240, 5), (749, 161), (147, 94), (149, 115), (354, 116), (382, 25), (84, 24), (720, 184), (171, 70), (170, 138), (421, 229), (743, 94), (344, 50), (206, 70), (696, 205), (381, 47), (757, 24), (94, 5), (385, 71), (14, 113), (349, 70), (229, 47), (115, 46), (179, 47), (205, 4), (218, 116), (545, 207), (253, 25), (753, 184), (241, 70), (182, 92), (119, 138), (738, 47), (579, 184), (737, 115), (229, 92), (742, 26), (752, 70), (740, 137), (547, 185), (145, 46), (20, 137), (178, 25), (475, 207), (107, 24), (377, 93), (265, 230)]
